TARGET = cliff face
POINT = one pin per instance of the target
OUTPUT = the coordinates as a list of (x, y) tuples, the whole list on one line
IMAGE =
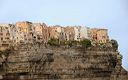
[(39, 62)]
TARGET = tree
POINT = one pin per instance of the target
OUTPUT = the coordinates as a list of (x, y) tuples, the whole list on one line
[(114, 44), (69, 43), (53, 42), (85, 43)]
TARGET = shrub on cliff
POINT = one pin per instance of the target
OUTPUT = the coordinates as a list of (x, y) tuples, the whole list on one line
[(69, 43), (114, 44), (6, 53), (53, 42), (85, 43)]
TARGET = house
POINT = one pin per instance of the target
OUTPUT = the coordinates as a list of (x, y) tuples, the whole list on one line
[(81, 32), (24, 32), (99, 35), (5, 36), (69, 33)]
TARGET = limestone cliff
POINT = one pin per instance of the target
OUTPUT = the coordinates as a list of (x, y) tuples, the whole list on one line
[(40, 62)]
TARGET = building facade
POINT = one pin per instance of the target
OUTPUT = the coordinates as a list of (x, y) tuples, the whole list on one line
[(99, 35), (102, 36), (27, 32), (24, 32), (69, 33), (81, 32), (5, 36)]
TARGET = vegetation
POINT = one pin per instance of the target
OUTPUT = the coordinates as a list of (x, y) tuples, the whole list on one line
[(71, 43), (53, 42), (114, 44), (85, 43), (6, 52)]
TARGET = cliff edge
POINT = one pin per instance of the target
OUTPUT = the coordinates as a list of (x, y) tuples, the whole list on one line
[(41, 62)]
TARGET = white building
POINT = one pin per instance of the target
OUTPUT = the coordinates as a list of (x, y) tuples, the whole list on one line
[(81, 32), (77, 33)]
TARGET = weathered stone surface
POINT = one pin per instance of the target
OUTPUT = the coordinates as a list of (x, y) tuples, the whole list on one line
[(38, 63)]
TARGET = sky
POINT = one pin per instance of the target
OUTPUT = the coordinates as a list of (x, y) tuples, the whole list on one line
[(110, 14)]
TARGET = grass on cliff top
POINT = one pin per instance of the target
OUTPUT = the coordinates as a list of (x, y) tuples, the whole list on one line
[(84, 43), (70, 43)]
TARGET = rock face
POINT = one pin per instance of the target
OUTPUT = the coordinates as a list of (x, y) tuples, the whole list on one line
[(37, 62)]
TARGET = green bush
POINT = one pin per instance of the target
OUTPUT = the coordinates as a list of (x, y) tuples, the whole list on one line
[(85, 43), (74, 42), (114, 44), (53, 42), (6, 52), (69, 43)]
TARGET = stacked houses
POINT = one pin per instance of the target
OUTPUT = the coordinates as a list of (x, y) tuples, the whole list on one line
[(27, 32)]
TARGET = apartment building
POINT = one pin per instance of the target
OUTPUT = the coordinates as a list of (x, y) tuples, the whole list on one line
[(81, 32), (55, 31), (24, 32), (69, 33), (40, 32), (37, 33), (99, 35), (5, 35), (102, 36), (13, 32), (27, 32)]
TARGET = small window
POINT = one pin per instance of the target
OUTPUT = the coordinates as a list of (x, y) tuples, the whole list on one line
[(7, 34), (6, 27), (1, 39)]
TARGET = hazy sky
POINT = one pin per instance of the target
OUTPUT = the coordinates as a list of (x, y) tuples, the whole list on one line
[(110, 14)]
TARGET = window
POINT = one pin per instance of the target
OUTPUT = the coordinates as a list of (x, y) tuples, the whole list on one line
[(7, 38), (7, 34), (1, 39)]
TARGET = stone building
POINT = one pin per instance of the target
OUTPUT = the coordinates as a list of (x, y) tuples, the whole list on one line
[(53, 33), (81, 32), (40, 32), (27, 32), (93, 33), (99, 35), (69, 33), (88, 32), (102, 36), (77, 33), (24, 32), (13, 32), (5, 36), (56, 32), (37, 32)]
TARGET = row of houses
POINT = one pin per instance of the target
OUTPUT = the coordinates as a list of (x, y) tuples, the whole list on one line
[(27, 32)]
